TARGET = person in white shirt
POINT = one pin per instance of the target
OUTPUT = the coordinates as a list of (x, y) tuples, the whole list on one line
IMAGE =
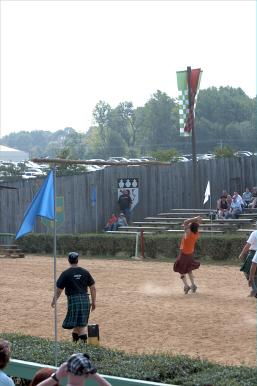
[(5, 354), (247, 255)]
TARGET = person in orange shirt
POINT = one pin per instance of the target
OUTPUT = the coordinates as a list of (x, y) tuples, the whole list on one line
[(185, 262)]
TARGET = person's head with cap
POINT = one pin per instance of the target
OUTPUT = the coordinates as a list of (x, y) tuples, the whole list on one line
[(73, 257), (80, 365)]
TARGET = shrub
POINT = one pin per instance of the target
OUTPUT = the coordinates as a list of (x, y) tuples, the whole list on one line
[(208, 247), (178, 370)]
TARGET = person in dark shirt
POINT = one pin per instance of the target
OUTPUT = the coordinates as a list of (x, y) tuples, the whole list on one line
[(76, 281), (125, 203)]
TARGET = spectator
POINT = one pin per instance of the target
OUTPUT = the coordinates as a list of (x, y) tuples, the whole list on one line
[(122, 221), (5, 354), (41, 375), (253, 203), (229, 200), (247, 197), (78, 369), (110, 225), (235, 208), (125, 203), (223, 208)]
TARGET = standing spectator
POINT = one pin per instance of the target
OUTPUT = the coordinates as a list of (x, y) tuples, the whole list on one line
[(247, 197), (76, 280), (5, 354), (249, 250), (125, 203), (185, 262)]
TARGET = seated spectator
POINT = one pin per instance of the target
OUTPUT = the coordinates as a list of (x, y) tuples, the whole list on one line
[(77, 369), (235, 208), (247, 197), (229, 200), (41, 375), (110, 225), (5, 354), (223, 208), (122, 221), (253, 203)]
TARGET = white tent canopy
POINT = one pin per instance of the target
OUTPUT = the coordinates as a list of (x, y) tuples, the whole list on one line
[(13, 155)]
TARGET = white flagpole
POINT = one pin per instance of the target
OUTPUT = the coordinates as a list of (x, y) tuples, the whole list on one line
[(210, 207), (55, 290)]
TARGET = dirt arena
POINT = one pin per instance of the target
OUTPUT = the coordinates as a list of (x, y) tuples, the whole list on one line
[(140, 307)]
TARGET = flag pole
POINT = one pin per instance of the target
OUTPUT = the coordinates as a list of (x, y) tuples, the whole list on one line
[(55, 289), (194, 165)]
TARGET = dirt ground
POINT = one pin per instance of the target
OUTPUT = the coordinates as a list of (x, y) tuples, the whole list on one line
[(140, 307)]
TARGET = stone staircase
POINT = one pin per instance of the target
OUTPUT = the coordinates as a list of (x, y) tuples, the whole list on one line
[(10, 251)]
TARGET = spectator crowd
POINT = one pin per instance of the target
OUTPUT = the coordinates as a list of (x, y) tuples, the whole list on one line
[(231, 206)]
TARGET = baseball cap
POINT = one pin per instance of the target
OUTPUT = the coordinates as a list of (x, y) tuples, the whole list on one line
[(80, 364)]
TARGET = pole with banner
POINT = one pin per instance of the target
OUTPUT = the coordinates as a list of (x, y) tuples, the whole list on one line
[(188, 84)]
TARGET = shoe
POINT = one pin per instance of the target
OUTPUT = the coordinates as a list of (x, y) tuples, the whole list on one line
[(193, 288), (186, 289)]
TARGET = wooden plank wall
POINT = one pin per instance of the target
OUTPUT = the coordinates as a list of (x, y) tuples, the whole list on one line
[(160, 189)]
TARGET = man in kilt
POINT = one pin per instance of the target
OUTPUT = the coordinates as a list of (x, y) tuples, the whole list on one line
[(246, 256), (76, 280)]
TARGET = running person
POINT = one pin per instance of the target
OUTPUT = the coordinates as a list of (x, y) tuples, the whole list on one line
[(76, 280), (185, 262)]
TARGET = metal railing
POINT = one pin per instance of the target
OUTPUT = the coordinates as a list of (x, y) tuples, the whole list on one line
[(26, 370)]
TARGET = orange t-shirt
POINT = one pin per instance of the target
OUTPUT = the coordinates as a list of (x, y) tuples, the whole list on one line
[(188, 241)]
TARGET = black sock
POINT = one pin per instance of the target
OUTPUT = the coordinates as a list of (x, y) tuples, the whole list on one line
[(83, 338), (75, 337)]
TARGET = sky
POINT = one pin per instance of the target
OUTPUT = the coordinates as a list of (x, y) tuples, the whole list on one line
[(60, 58)]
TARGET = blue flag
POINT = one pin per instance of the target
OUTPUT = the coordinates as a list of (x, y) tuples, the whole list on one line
[(42, 205), (93, 196)]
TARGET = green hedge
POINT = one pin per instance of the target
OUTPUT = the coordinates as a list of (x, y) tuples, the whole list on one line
[(163, 368), (208, 247)]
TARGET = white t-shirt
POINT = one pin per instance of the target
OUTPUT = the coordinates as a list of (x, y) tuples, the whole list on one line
[(5, 380), (253, 241)]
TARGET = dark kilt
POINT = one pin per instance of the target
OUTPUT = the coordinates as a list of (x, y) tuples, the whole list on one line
[(246, 266), (185, 263), (78, 311)]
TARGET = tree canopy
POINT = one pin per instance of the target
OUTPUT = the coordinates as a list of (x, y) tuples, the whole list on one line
[(224, 116)]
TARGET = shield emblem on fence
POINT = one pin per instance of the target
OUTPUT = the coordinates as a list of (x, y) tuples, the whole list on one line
[(130, 184), (59, 202)]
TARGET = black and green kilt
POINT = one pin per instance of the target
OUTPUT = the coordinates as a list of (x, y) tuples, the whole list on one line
[(246, 266), (78, 311)]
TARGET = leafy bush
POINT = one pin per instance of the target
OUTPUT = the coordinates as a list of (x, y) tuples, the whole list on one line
[(224, 151), (221, 247), (178, 370)]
